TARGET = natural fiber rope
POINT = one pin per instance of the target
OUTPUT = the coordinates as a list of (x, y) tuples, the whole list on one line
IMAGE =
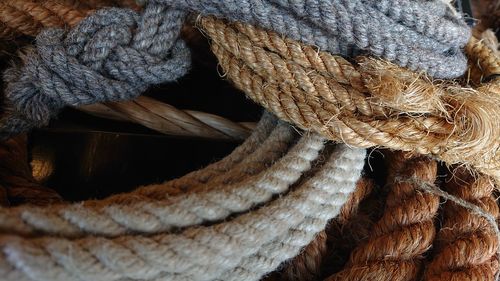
[(459, 141), (92, 64), (372, 103), (405, 231), (400, 31), (114, 215), (318, 214), (167, 119), (466, 247)]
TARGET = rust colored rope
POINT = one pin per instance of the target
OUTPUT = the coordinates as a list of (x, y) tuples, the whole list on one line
[(466, 245), (364, 187), (405, 231), (370, 103), (16, 182)]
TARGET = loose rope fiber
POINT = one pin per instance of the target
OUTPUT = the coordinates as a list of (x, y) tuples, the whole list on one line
[(371, 103), (466, 246), (89, 73), (244, 216), (302, 223)]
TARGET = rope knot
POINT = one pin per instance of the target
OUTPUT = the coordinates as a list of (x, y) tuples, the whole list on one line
[(114, 54)]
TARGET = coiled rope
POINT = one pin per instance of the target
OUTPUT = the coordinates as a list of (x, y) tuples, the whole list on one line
[(154, 233), (274, 232), (371, 103)]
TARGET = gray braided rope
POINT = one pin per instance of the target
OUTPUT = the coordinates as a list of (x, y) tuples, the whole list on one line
[(116, 54)]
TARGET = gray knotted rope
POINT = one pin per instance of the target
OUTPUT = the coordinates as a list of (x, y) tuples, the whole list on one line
[(116, 54), (112, 55)]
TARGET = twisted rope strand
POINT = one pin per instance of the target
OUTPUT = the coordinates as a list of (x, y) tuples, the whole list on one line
[(466, 246), (371, 104), (388, 254), (189, 254), (167, 119), (114, 54), (340, 26), (29, 17), (307, 265), (116, 215)]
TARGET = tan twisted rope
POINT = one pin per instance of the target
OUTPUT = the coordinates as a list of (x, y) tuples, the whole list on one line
[(167, 119), (405, 232), (371, 103), (28, 17), (466, 245)]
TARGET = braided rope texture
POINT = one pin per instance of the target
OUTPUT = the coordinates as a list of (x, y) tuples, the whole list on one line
[(27, 17), (370, 103)]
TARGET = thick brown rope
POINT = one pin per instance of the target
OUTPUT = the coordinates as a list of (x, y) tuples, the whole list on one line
[(371, 103), (405, 231), (466, 245)]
